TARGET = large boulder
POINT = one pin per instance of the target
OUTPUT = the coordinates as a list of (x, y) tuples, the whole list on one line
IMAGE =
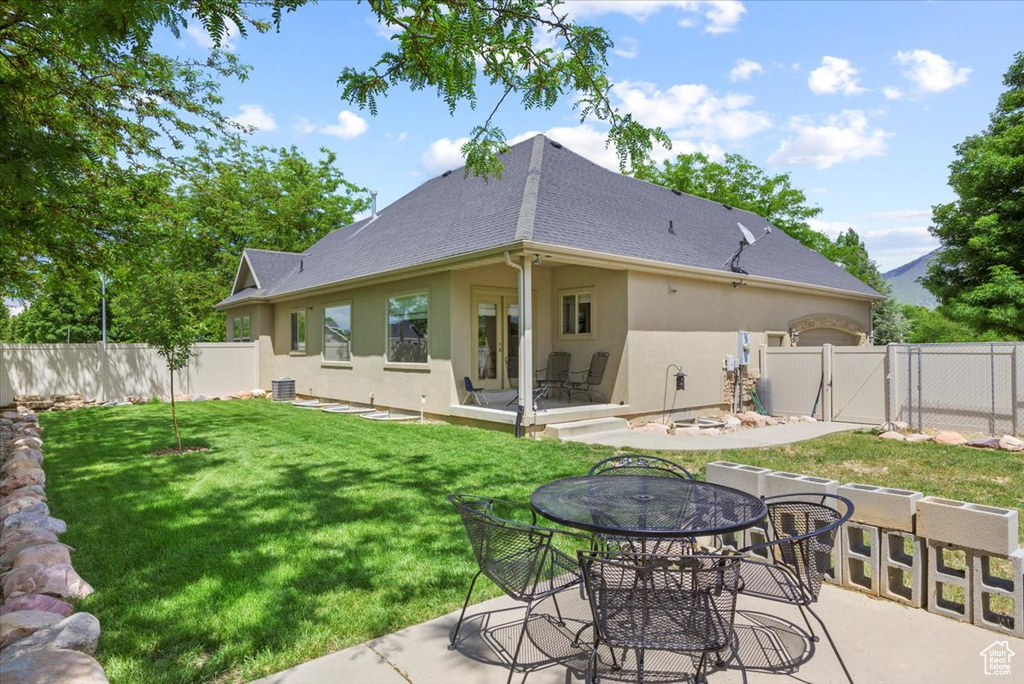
[(950, 437), (21, 536), (893, 435), (79, 632), (16, 505), (919, 437), (34, 516), (56, 580), (984, 443), (37, 602), (653, 428), (259, 393), (54, 665), (732, 422), (42, 554), (31, 490), (691, 431), (1011, 443), (8, 558), (23, 478), (23, 623), (16, 463)]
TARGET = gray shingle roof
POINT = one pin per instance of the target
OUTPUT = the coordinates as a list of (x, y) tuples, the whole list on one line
[(579, 204)]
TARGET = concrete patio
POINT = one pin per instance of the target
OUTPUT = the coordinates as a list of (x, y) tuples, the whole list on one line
[(880, 641)]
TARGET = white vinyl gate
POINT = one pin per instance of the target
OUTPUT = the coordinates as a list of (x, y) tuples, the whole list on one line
[(845, 384)]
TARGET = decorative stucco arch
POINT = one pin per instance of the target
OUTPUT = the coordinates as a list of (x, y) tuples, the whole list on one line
[(834, 321)]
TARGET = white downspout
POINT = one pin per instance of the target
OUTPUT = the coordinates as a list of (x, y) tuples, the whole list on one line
[(525, 380)]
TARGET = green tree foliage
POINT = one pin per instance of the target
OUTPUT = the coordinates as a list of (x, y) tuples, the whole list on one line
[(740, 183), (933, 326), (160, 310), (88, 104), (888, 321), (60, 312), (979, 275)]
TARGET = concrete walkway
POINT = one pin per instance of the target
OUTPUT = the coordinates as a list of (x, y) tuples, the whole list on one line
[(753, 438), (880, 641)]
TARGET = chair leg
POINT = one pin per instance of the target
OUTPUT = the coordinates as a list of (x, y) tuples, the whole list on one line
[(832, 644), (701, 676), (810, 629), (519, 645), (458, 625)]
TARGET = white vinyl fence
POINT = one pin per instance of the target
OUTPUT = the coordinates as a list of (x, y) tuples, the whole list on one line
[(966, 387), (121, 370)]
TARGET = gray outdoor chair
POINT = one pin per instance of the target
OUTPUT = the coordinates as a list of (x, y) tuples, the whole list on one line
[(555, 376), (475, 393), (590, 379), (801, 531), (517, 556), (672, 602)]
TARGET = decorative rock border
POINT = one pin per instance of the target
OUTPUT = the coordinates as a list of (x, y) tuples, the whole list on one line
[(42, 638)]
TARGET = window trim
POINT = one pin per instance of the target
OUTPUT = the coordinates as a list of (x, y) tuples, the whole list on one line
[(404, 365), (292, 333), (590, 290), (323, 334)]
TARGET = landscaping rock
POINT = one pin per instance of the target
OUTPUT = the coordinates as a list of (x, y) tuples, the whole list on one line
[(23, 478), (21, 536), (892, 434), (686, 431), (37, 602), (24, 623), (1011, 443), (42, 554), (950, 437), (245, 395), (33, 442), (752, 418), (16, 505), (34, 516), (984, 443), (901, 425), (8, 557), (56, 580), (732, 422), (653, 428), (259, 394), (79, 632), (768, 420), (133, 399), (710, 431), (34, 491), (54, 665), (919, 437), (12, 466)]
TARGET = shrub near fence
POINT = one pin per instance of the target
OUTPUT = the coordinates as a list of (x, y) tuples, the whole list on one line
[(119, 370)]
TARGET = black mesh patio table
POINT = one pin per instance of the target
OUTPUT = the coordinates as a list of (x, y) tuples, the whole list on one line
[(643, 506)]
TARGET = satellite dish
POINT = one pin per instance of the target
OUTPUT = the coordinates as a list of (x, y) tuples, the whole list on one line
[(747, 240), (748, 237)]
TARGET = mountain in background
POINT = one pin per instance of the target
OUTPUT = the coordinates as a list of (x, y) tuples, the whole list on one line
[(905, 287)]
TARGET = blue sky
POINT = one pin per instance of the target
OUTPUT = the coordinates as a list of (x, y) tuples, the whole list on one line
[(861, 102)]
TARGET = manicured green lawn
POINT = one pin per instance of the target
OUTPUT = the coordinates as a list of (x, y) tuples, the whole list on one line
[(300, 533)]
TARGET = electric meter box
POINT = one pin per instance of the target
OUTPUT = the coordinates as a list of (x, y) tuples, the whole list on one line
[(743, 348), (730, 363)]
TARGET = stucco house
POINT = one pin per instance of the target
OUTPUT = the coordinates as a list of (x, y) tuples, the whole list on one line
[(467, 278)]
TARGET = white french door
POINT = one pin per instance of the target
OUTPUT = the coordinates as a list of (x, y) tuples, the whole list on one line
[(495, 330)]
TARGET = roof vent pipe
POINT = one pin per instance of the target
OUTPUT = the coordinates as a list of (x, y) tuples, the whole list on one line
[(373, 204)]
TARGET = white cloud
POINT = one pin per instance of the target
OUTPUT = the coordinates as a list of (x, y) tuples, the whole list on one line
[(931, 73), (589, 142), (691, 111), (627, 48), (892, 93), (892, 237), (304, 126), (200, 36), (443, 154), (256, 117), (744, 69), (899, 215), (721, 15), (350, 125), (830, 228), (835, 75), (841, 138)]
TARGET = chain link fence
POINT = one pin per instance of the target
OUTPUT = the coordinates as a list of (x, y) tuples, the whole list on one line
[(965, 387)]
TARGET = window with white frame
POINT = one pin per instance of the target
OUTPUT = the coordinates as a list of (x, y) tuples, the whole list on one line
[(337, 332), (298, 331), (577, 312), (241, 329), (407, 328)]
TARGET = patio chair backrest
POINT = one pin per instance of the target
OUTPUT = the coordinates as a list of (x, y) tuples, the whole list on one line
[(598, 365), (635, 464), (510, 553), (672, 602), (557, 370), (469, 384), (804, 533)]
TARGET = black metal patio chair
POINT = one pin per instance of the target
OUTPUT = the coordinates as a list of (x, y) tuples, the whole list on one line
[(801, 531), (638, 464), (555, 375), (590, 379), (677, 603), (517, 556)]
